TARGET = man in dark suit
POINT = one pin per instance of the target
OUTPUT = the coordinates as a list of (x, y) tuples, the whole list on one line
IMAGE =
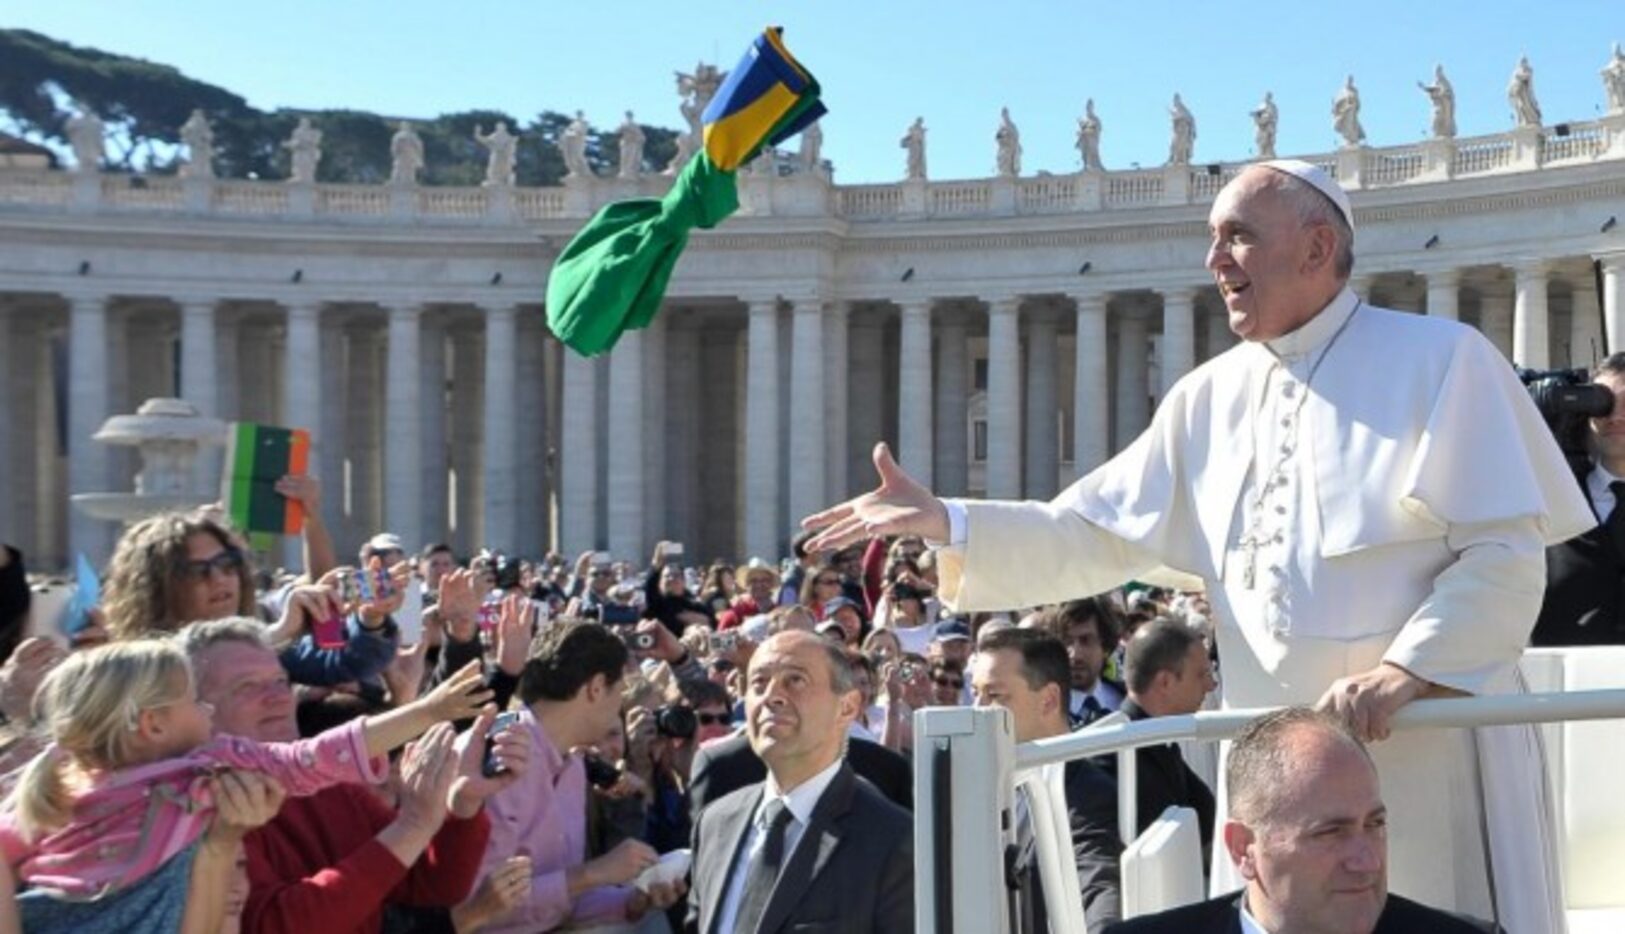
[(1169, 673), (730, 764), (1308, 831), (1026, 672), (1585, 576), (811, 848)]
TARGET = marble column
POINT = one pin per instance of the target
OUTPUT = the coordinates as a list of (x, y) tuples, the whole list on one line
[(11, 412), (365, 431), (1042, 460), (22, 354), (656, 455), (1443, 293), (501, 468), (87, 410), (1178, 336), (1585, 324), (1004, 398), (578, 438), (301, 404), (530, 424), (403, 428), (682, 456), (914, 391), (468, 405), (1133, 390), (763, 534), (1091, 391), (627, 454), (1613, 300), (809, 486), (952, 426), (1495, 318), (432, 418), (332, 449), (867, 420), (227, 385), (1531, 326), (199, 343), (837, 485)]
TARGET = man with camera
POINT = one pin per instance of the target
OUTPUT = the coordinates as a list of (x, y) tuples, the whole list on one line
[(1585, 576), (571, 689), (665, 592)]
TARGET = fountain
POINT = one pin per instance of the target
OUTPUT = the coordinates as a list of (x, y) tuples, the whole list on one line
[(169, 434)]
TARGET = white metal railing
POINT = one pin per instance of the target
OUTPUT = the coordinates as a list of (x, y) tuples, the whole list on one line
[(967, 766)]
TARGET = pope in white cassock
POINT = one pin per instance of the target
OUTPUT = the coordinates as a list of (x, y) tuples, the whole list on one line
[(1366, 493)]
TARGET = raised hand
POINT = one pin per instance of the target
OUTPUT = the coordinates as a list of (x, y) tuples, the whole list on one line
[(899, 506), (512, 748), (459, 603), (515, 627), (460, 697)]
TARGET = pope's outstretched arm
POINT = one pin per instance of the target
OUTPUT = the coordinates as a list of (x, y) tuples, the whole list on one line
[(1014, 554)]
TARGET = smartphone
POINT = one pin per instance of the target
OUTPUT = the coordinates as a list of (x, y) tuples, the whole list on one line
[(490, 611), (638, 641), (673, 553), (329, 632), (491, 767), (724, 642)]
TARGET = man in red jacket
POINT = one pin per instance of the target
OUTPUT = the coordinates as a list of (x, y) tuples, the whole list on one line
[(331, 862)]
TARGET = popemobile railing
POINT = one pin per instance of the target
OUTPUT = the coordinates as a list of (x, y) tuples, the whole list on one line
[(967, 766)]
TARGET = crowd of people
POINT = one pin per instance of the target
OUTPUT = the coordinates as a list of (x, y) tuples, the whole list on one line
[(320, 749)]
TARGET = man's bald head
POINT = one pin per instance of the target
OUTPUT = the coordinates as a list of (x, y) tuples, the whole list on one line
[(1277, 757)]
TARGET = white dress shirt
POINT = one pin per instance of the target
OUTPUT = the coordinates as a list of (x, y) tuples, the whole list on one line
[(800, 800), (1249, 924), (1602, 497)]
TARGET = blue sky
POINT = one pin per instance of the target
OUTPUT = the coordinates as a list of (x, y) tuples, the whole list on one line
[(884, 62)]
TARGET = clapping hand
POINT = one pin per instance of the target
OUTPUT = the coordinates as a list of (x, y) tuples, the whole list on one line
[(899, 506)]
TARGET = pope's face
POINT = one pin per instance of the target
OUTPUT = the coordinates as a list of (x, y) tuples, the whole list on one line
[(1319, 863), (1261, 259), (1608, 434)]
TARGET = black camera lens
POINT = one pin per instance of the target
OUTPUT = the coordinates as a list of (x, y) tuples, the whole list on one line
[(600, 773), (675, 722)]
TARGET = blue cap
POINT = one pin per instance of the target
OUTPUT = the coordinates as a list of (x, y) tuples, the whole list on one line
[(837, 603), (950, 630)]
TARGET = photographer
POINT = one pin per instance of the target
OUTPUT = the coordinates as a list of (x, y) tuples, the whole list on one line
[(1585, 576), (665, 592)]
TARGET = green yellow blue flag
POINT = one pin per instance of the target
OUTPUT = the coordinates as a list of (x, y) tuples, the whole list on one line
[(612, 276)]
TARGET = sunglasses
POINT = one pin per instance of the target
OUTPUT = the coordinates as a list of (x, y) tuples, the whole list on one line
[(955, 683), (713, 719), (227, 562)]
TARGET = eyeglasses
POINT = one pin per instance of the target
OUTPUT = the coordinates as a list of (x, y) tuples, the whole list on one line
[(227, 563), (713, 719)]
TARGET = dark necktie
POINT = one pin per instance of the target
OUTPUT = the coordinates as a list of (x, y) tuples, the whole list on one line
[(763, 872), (1616, 518), (1091, 709)]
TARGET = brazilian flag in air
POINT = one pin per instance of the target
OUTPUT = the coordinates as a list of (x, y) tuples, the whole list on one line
[(257, 456), (613, 274)]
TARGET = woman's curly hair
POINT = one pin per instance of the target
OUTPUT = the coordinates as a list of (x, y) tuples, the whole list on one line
[(147, 574)]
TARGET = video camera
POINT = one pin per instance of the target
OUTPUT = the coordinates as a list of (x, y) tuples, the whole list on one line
[(1566, 400)]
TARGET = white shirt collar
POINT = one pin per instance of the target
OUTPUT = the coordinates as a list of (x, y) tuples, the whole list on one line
[(1314, 333), (1600, 481), (804, 797), (1249, 924)]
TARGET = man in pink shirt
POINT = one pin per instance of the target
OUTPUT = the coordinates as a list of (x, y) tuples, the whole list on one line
[(571, 688)]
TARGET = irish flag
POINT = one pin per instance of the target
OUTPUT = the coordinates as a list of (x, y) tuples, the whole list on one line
[(257, 456)]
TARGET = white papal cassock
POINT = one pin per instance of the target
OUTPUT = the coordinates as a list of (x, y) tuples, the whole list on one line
[(1375, 486)]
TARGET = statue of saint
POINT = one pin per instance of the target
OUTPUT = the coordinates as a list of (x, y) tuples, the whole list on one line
[(1183, 144), (306, 146), (499, 162), (914, 142), (1346, 115), (1088, 141), (573, 144), (1613, 81), (1009, 140), (696, 90), (198, 138), (1265, 118), (86, 134), (1443, 97), (1521, 94), (632, 138), (405, 155), (810, 158)]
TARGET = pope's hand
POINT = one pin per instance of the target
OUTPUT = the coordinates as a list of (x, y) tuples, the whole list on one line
[(899, 506), (1367, 701)]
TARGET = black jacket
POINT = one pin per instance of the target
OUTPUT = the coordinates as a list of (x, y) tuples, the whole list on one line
[(1223, 916), (851, 872), (1164, 780), (1585, 589), (730, 764), (1091, 810)]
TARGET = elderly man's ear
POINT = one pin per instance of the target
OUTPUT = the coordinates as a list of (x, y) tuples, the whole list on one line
[(1238, 842)]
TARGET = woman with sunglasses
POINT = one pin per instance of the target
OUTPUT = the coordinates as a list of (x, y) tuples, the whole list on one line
[(820, 586)]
